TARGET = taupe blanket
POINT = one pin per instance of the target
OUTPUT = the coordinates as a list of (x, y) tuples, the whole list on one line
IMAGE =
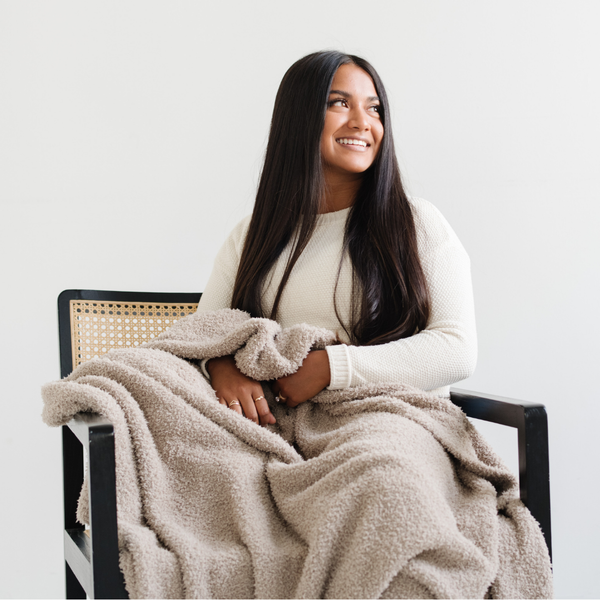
[(379, 491)]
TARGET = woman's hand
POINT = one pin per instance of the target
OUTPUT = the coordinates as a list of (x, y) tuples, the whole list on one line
[(312, 377), (237, 391)]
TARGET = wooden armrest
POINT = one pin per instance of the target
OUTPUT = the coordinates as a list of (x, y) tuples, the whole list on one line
[(87, 426), (531, 421), (95, 562)]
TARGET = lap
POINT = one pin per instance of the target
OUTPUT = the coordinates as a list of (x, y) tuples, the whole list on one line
[(375, 490)]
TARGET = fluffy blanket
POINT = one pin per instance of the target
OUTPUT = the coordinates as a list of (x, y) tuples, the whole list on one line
[(377, 491)]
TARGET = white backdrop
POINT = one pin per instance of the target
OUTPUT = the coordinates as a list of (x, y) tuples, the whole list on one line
[(131, 137)]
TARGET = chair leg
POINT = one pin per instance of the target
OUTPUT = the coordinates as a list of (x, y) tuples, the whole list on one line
[(74, 589)]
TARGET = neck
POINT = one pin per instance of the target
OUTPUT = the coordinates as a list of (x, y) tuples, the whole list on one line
[(340, 191)]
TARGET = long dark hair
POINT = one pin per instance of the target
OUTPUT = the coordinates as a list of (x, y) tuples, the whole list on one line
[(390, 298)]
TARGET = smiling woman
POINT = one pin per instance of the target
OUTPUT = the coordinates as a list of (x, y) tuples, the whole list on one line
[(334, 241), (351, 135)]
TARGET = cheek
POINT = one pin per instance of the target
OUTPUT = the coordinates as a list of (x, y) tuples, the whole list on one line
[(328, 139), (325, 136), (333, 122), (325, 144)]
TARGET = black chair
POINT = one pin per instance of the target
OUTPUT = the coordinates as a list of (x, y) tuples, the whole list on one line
[(92, 322)]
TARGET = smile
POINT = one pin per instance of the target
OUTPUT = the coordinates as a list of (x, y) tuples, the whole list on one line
[(352, 142)]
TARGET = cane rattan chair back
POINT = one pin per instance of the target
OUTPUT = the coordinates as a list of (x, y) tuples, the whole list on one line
[(94, 326), (99, 326)]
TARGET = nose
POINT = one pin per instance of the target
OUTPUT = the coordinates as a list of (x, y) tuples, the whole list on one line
[(358, 119)]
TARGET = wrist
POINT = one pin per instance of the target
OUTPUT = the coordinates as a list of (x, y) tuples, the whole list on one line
[(213, 364), (323, 368)]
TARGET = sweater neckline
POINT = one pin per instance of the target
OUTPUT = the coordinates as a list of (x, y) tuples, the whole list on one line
[(334, 217)]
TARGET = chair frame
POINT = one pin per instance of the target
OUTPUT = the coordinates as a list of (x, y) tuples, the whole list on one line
[(92, 556)]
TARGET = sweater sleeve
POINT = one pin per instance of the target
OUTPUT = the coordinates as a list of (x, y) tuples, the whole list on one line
[(219, 288), (446, 350)]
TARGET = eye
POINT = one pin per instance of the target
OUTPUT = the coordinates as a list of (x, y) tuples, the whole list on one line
[(338, 102), (375, 108)]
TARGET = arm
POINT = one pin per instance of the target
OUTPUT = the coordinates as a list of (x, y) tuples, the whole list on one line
[(446, 350), (218, 290), (312, 377), (234, 389)]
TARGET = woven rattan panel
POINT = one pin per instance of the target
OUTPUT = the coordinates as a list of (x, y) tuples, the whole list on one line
[(97, 327)]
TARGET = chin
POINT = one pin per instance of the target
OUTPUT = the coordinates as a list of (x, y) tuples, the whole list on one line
[(354, 166), (355, 169)]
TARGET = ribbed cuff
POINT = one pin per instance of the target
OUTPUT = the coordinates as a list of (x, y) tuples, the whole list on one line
[(203, 368), (339, 366)]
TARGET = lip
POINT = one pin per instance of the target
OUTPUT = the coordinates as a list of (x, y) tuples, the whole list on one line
[(353, 147)]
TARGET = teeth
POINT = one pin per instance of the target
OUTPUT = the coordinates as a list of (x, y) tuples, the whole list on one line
[(352, 142)]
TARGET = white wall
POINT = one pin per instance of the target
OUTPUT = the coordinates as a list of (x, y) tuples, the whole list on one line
[(131, 136)]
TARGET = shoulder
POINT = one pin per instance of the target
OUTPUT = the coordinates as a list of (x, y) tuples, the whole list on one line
[(241, 229), (432, 229), (235, 240)]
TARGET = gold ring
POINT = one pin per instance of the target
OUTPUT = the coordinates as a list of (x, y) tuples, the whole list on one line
[(259, 398), (281, 398), (234, 402)]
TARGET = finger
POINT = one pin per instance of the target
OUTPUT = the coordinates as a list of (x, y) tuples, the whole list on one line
[(264, 412), (249, 408), (290, 399), (234, 404), (279, 395)]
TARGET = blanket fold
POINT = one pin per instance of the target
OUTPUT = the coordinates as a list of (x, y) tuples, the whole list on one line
[(376, 491)]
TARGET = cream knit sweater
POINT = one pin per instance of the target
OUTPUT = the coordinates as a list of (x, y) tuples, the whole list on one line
[(443, 353)]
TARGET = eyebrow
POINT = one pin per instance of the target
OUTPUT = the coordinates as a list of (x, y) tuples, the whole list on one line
[(347, 95)]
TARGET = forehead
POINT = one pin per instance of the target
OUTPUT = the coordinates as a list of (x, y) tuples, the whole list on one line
[(352, 79)]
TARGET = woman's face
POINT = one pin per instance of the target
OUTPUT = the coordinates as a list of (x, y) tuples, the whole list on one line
[(353, 130)]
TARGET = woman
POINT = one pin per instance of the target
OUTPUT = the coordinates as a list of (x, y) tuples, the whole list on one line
[(335, 242), (368, 492)]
